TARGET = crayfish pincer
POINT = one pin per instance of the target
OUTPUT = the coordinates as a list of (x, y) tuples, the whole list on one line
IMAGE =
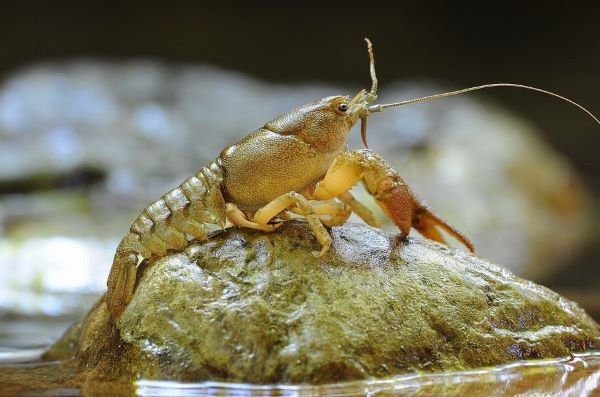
[(296, 163)]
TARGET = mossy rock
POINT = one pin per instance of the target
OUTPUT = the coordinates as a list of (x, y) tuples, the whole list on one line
[(263, 308)]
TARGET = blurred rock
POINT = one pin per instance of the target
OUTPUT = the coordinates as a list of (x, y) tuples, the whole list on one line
[(262, 308), (105, 139)]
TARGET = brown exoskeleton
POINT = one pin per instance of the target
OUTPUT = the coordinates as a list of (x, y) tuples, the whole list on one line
[(298, 163)]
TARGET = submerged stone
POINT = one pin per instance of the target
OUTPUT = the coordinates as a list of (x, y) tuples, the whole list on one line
[(248, 306)]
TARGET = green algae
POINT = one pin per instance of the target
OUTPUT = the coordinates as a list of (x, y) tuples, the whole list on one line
[(262, 308)]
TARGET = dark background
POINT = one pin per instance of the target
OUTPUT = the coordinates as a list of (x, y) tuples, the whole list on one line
[(555, 47)]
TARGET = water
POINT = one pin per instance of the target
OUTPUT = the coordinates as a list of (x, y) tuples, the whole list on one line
[(22, 341), (575, 376), (578, 375)]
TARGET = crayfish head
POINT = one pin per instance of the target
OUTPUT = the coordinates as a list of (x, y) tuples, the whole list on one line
[(324, 123), (360, 110), (359, 105)]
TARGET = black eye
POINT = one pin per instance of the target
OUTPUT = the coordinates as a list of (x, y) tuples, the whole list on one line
[(342, 107)]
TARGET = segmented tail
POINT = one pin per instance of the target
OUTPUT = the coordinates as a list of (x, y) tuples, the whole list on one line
[(121, 282), (165, 225)]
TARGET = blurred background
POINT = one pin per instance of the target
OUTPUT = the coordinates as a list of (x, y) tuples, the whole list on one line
[(104, 107)]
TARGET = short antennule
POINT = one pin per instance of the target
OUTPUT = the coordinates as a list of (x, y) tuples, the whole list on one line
[(382, 107)]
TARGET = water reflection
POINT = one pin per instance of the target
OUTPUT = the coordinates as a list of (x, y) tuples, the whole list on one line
[(577, 376)]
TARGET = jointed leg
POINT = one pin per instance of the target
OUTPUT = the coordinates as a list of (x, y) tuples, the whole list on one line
[(337, 213), (359, 209), (389, 190), (381, 180), (238, 218), (288, 200)]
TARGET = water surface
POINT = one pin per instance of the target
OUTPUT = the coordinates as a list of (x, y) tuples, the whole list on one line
[(578, 375)]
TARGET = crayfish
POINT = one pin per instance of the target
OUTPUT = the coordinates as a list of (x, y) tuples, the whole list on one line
[(297, 163)]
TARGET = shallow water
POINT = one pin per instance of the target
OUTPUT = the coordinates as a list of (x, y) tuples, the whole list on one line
[(578, 375), (575, 376), (22, 341)]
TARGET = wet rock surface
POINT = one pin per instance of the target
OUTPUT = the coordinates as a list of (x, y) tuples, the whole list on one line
[(262, 308)]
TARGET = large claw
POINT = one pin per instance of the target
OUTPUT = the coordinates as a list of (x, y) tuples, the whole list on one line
[(389, 190), (396, 200)]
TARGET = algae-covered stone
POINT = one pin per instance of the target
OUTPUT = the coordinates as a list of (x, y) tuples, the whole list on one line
[(263, 308)]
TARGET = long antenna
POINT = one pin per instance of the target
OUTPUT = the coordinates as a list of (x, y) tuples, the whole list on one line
[(373, 92), (379, 108), (371, 95)]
